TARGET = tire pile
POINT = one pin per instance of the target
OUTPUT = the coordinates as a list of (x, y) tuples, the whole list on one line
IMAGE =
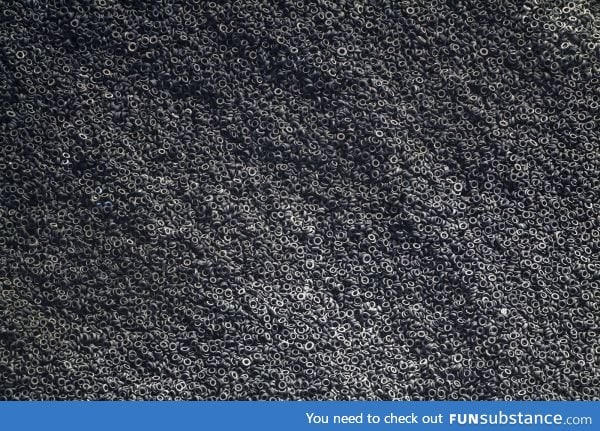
[(299, 200)]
